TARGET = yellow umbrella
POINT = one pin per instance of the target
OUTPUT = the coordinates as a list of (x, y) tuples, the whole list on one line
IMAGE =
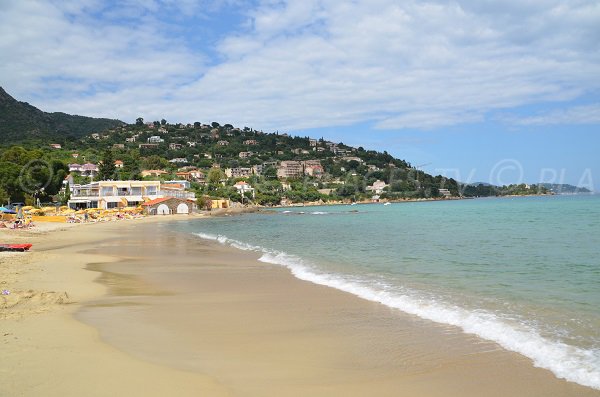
[(27, 208), (48, 209)]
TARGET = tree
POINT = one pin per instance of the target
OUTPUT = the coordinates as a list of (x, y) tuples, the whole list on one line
[(139, 121), (163, 122), (107, 169), (130, 170), (155, 162), (270, 172), (214, 176), (3, 196), (66, 195)]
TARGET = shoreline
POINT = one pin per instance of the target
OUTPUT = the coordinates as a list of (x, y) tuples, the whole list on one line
[(277, 312)]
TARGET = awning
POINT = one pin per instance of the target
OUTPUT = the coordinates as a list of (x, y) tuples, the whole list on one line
[(112, 199), (79, 201)]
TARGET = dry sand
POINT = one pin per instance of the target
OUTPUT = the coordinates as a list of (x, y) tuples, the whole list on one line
[(134, 309), (45, 351)]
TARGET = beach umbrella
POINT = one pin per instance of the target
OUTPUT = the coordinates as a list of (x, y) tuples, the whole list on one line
[(6, 210), (27, 208)]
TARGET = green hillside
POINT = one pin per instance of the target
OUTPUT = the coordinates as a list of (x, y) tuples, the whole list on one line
[(20, 122)]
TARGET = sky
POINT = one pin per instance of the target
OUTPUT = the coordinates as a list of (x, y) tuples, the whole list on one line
[(478, 90)]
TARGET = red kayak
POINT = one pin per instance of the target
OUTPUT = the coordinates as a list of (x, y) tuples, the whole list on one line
[(15, 247)]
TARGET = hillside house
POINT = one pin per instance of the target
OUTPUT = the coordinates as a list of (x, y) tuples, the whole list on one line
[(290, 169), (377, 187), (154, 173), (238, 172), (148, 145)]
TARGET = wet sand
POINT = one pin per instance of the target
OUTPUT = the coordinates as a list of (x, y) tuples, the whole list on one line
[(252, 329)]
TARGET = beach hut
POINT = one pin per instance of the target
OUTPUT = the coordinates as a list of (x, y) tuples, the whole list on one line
[(168, 205)]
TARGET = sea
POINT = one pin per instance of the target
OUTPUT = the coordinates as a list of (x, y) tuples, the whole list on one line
[(523, 272)]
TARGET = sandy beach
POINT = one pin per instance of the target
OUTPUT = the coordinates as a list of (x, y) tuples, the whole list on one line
[(133, 308)]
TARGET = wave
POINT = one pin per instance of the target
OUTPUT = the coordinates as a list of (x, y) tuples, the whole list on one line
[(565, 361), (305, 213)]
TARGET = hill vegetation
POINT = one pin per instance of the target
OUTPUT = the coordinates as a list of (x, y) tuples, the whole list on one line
[(211, 157), (565, 188), (22, 122)]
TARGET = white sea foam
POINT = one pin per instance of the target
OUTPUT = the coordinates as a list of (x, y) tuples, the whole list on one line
[(565, 361)]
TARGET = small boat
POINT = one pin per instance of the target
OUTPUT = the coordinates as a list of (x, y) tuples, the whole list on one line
[(15, 247), (387, 203)]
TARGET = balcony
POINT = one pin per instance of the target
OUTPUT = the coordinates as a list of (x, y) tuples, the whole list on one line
[(181, 194), (85, 193)]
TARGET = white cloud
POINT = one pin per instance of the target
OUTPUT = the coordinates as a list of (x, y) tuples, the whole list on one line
[(305, 63), (576, 115)]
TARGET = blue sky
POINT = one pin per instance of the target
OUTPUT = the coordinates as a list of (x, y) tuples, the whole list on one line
[(478, 90)]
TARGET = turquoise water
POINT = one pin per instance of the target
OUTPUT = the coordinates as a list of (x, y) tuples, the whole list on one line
[(524, 272)]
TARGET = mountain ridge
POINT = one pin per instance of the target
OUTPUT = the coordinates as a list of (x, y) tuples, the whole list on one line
[(21, 121)]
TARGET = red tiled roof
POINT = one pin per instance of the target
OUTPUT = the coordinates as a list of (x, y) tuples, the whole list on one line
[(156, 201), (172, 185)]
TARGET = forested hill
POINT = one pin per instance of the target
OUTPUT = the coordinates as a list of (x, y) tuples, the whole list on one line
[(20, 122)]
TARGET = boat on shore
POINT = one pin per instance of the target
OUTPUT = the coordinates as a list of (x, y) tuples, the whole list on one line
[(15, 247)]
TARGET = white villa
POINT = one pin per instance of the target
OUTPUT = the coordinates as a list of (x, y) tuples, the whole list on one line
[(118, 194), (377, 187), (243, 188)]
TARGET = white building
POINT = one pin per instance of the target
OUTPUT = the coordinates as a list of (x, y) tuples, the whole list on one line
[(377, 187), (119, 194), (445, 192), (155, 139), (244, 188)]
